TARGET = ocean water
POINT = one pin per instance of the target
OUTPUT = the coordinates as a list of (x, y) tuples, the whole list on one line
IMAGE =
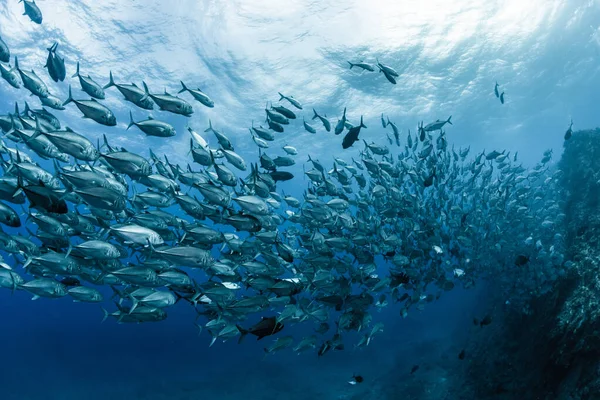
[(542, 53)]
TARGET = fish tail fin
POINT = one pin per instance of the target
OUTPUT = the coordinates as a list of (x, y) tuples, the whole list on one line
[(364, 126), (28, 261), (105, 314), (281, 97), (70, 98), (111, 81), (448, 120), (210, 128), (199, 328), (27, 109), (183, 87), (315, 116), (134, 303), (351, 65), (116, 292), (146, 92), (106, 143), (37, 132), (212, 157), (12, 129), (243, 333), (180, 297), (14, 284), (17, 61), (154, 157), (134, 191), (131, 122), (77, 71)]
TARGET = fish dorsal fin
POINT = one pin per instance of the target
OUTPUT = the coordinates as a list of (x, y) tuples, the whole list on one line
[(94, 100), (68, 129), (133, 84), (150, 117)]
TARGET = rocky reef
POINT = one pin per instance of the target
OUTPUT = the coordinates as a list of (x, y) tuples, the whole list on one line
[(552, 351)]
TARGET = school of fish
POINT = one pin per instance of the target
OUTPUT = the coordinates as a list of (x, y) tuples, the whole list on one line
[(406, 221)]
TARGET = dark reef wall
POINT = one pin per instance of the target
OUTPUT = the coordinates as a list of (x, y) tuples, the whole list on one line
[(576, 334), (554, 351)]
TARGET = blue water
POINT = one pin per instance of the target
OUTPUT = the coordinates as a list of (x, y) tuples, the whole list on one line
[(59, 350), (543, 53)]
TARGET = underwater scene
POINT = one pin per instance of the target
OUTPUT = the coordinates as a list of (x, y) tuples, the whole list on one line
[(260, 200)]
